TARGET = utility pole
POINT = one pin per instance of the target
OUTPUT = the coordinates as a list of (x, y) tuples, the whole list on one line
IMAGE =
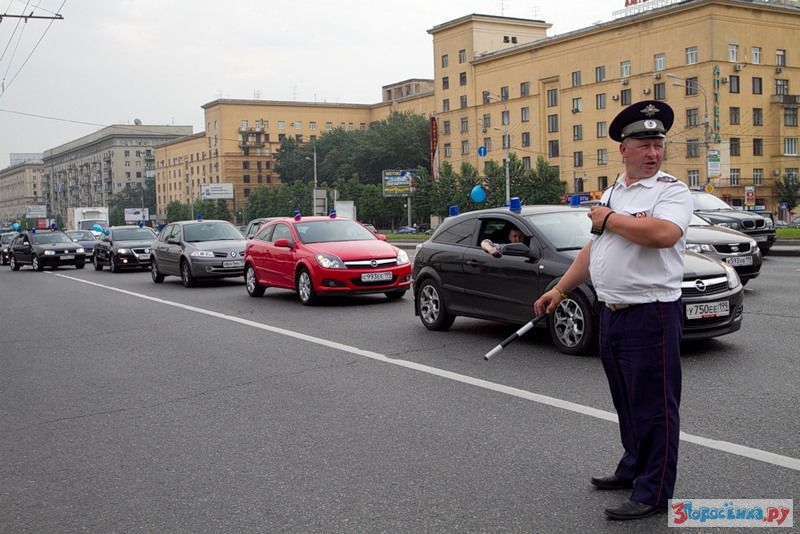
[(694, 84)]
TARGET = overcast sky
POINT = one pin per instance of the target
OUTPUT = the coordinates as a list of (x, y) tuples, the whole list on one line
[(113, 61)]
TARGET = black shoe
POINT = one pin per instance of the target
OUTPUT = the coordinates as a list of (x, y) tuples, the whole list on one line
[(611, 483), (632, 510)]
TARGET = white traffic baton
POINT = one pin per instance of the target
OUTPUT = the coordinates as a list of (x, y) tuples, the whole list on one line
[(513, 336)]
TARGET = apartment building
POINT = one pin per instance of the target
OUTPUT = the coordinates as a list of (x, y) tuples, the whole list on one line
[(500, 82), (20, 187), (89, 170)]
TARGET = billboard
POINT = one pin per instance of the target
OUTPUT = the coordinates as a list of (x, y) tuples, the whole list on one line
[(399, 183), (214, 191), (133, 215), (35, 212)]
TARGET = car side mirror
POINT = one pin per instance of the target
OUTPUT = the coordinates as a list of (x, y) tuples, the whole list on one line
[(516, 249), (173, 241), (380, 236), (283, 243)]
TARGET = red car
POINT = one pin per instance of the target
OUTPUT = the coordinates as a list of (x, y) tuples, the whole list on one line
[(323, 256)]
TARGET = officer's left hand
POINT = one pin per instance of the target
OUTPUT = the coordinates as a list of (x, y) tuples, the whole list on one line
[(598, 214)]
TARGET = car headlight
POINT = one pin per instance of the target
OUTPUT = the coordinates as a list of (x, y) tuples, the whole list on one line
[(202, 254), (768, 223), (49, 252), (147, 251), (329, 261), (733, 225), (698, 247), (733, 278), (80, 251), (402, 257), (123, 251)]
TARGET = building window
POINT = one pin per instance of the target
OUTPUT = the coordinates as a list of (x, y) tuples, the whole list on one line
[(600, 100), (789, 116), (602, 130), (781, 87), (758, 117), (660, 91), (691, 55), (735, 145), (462, 78), (757, 86), (659, 62), (755, 56), (525, 89), (735, 175), (464, 148), (576, 78), (445, 61), (552, 148), (504, 93), (577, 159), (328, 126), (602, 156), (464, 124), (625, 97), (525, 114), (692, 148), (445, 82), (246, 178), (526, 163), (600, 73), (462, 100), (281, 125), (487, 97), (577, 105), (448, 150), (690, 86), (625, 69), (552, 98), (504, 118), (445, 105), (693, 177), (487, 143), (526, 139), (299, 137), (312, 125), (577, 132), (758, 176), (462, 55), (733, 53), (733, 84), (790, 146), (506, 141), (245, 165), (758, 146), (692, 117), (552, 123), (780, 57), (487, 121), (733, 113), (446, 127)]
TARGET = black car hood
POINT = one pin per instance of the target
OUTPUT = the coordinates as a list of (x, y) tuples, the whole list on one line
[(57, 246), (728, 215), (134, 243), (699, 266)]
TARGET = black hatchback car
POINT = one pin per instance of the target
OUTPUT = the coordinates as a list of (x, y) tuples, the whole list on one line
[(44, 248), (124, 247), (453, 276)]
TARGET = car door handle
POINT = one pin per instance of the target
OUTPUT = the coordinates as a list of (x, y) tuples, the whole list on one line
[(473, 263)]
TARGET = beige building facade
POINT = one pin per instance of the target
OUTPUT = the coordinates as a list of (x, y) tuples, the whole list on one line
[(554, 97), (20, 187)]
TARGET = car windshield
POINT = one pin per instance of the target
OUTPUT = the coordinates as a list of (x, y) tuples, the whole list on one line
[(85, 235), (49, 239), (709, 202), (565, 229), (332, 230), (7, 238), (699, 221), (210, 231), (133, 234), (89, 224)]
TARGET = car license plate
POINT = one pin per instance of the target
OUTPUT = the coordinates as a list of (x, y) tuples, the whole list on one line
[(740, 260), (68, 257), (708, 310), (760, 238), (376, 277), (232, 263), (143, 256)]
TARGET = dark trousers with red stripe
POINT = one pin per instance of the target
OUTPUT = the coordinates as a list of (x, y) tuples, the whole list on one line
[(640, 351)]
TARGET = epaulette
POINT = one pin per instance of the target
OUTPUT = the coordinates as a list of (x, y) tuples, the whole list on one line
[(667, 179)]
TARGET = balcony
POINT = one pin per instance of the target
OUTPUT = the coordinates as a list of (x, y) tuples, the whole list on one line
[(786, 100)]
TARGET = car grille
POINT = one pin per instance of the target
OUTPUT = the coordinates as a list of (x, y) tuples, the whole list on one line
[(710, 286), (227, 254), (371, 264), (140, 250), (751, 224), (741, 248)]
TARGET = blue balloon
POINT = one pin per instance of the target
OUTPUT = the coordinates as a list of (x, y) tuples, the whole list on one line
[(97, 228), (15, 227), (478, 194)]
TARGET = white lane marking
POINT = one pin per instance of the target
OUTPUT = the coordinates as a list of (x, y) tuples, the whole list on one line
[(724, 446)]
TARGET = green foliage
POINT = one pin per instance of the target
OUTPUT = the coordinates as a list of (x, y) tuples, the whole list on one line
[(132, 197), (788, 191)]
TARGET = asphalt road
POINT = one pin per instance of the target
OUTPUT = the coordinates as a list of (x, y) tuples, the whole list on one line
[(127, 406)]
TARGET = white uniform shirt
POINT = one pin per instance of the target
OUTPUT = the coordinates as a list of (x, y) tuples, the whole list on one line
[(623, 272)]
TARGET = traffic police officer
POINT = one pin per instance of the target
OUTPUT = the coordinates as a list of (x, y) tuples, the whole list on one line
[(635, 262)]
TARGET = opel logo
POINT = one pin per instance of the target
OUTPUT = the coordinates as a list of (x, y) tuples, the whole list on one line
[(233, 253), (734, 248), (700, 286), (373, 263)]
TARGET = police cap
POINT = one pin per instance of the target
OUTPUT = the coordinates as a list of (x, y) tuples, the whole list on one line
[(642, 120)]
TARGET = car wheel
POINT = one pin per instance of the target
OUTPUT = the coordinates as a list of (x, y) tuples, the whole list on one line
[(572, 326), (432, 311), (254, 289), (394, 295), (36, 265), (113, 267), (80, 264), (97, 265), (155, 274), (186, 274), (14, 265), (305, 288)]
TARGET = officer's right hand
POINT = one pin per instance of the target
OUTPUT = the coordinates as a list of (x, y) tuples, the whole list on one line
[(547, 302)]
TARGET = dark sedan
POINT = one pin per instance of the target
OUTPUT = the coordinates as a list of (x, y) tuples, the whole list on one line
[(42, 249), (196, 250), (453, 276), (725, 244), (5, 246), (124, 247)]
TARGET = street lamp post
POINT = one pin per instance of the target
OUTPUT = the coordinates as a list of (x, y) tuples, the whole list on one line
[(314, 190), (506, 119), (694, 84)]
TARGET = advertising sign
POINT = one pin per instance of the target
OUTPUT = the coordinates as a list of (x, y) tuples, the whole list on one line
[(133, 215), (35, 212), (749, 196), (215, 191), (399, 183), (714, 166)]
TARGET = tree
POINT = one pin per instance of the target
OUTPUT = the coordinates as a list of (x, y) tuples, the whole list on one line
[(788, 191)]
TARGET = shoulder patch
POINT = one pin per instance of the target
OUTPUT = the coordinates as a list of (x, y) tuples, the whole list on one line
[(667, 179)]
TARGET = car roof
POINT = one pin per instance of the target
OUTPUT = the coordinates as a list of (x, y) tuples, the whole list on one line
[(310, 218)]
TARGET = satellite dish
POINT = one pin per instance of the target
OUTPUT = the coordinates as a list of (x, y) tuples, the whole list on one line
[(137, 122)]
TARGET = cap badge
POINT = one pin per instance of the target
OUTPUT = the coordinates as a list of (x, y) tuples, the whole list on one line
[(650, 110), (650, 124)]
